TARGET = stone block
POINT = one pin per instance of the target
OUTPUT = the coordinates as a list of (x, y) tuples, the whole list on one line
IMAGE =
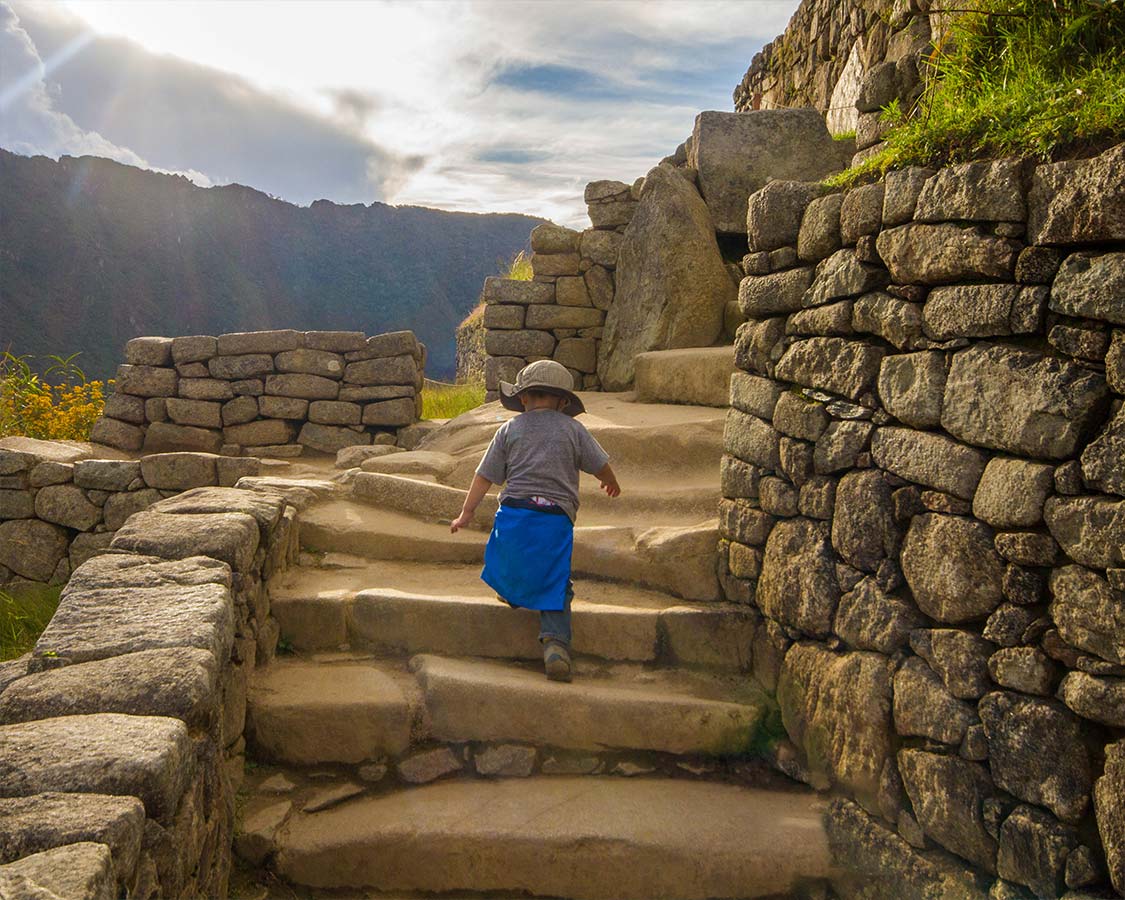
[(736, 154), (551, 238), (900, 197), (1012, 492), (848, 368), (1037, 752), (233, 368), (895, 321), (798, 416), (929, 459), (146, 381), (194, 348), (600, 247), (840, 446), (548, 317), (768, 295), (1025, 669), (391, 343), (519, 343), (752, 440), (612, 213), (774, 213), (205, 389), (330, 412), (508, 290), (819, 236), (126, 408), (798, 584), (920, 253), (66, 504), (335, 341), (737, 479), (390, 413), (1021, 401), (179, 471), (988, 191), (578, 353), (923, 706), (754, 344), (17, 504), (508, 318), (911, 387), (951, 567), (861, 212), (556, 264), (31, 548), (843, 275), (239, 411), (832, 320), (269, 342), (1091, 285), (310, 362), (317, 387), (505, 761), (754, 395), (864, 530), (149, 351), (1078, 201), (599, 284), (200, 413), (119, 507), (368, 393), (144, 756), (427, 766), (228, 537), (1108, 791), (1090, 615), (283, 407), (114, 433), (1033, 851), (332, 438), (744, 523), (960, 658), (982, 310)]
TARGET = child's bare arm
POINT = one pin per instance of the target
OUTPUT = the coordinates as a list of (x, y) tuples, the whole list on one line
[(609, 481), (477, 490)]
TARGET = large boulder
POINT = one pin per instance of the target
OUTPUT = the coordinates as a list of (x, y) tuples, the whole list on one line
[(672, 284), (951, 567), (1091, 285), (1078, 200), (736, 154)]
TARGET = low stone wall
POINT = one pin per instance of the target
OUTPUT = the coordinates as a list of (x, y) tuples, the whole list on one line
[(925, 499), (263, 393), (559, 314), (121, 743), (58, 507)]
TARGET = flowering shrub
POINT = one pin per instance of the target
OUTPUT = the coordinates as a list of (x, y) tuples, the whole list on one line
[(33, 406)]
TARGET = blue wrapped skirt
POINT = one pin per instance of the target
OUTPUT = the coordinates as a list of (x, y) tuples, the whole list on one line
[(527, 558)]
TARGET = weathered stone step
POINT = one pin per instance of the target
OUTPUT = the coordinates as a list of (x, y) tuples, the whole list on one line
[(694, 375), (677, 560), (318, 711), (582, 838), (313, 712), (469, 700), (643, 628)]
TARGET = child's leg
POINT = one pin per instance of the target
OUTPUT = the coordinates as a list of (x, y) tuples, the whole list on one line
[(554, 625)]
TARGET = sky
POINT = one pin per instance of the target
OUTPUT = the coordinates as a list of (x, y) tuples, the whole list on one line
[(489, 106)]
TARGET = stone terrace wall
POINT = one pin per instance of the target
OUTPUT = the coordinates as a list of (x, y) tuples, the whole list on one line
[(121, 743), (925, 498), (263, 393), (837, 55), (58, 508), (560, 313)]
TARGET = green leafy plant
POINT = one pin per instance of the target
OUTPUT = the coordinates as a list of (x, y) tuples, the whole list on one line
[(60, 405)]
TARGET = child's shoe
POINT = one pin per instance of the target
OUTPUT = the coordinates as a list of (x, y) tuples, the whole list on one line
[(556, 661)]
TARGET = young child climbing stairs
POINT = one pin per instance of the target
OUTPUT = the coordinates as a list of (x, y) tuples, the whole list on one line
[(537, 456)]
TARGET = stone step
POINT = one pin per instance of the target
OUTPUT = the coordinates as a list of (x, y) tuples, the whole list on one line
[(317, 612), (582, 838), (680, 560), (346, 709), (695, 375), (606, 707), (310, 712)]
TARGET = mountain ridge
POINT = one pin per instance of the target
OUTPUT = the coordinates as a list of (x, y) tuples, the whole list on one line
[(94, 252)]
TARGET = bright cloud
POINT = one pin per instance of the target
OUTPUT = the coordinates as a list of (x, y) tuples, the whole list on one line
[(461, 105)]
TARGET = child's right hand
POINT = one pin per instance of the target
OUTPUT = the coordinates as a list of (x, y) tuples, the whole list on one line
[(612, 488), (462, 521)]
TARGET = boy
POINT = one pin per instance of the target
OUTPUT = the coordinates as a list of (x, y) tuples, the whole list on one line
[(538, 455)]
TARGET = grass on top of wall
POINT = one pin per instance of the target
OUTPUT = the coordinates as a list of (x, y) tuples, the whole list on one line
[(24, 613), (1013, 78), (445, 401)]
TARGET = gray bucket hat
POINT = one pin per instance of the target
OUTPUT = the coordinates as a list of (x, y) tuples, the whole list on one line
[(547, 376)]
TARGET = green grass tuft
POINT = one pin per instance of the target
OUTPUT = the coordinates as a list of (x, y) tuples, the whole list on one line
[(24, 613), (445, 401), (1014, 78)]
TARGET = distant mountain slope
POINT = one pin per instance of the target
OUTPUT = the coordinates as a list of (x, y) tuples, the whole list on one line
[(93, 253)]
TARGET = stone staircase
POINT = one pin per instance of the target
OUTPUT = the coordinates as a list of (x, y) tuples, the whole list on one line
[(407, 741)]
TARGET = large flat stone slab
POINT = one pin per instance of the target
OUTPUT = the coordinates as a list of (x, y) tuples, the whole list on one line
[(75, 872), (231, 537), (420, 498), (129, 570), (609, 839), (307, 713), (697, 376), (266, 509), (471, 701), (141, 756)]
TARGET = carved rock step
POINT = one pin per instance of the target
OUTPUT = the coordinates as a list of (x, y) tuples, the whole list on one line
[(679, 560), (603, 839), (695, 375), (308, 712), (644, 628)]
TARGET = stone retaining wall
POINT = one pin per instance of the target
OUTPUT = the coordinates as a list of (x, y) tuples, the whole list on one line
[(847, 59), (559, 314), (58, 507), (925, 499), (263, 393), (121, 745)]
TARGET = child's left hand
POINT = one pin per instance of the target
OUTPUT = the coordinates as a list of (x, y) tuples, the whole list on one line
[(462, 521)]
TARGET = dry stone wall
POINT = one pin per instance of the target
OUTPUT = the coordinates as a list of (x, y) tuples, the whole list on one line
[(560, 313), (924, 488), (121, 745), (847, 59), (263, 393), (59, 506)]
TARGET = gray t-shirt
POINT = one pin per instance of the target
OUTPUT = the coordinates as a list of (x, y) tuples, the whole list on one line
[(539, 454)]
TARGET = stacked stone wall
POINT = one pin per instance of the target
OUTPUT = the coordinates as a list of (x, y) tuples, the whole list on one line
[(560, 313), (121, 734), (263, 393), (847, 59), (924, 488), (58, 507)]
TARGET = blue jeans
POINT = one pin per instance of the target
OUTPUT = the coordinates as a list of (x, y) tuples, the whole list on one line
[(554, 625)]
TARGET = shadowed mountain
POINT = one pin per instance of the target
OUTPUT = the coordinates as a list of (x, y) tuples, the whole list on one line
[(93, 253)]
